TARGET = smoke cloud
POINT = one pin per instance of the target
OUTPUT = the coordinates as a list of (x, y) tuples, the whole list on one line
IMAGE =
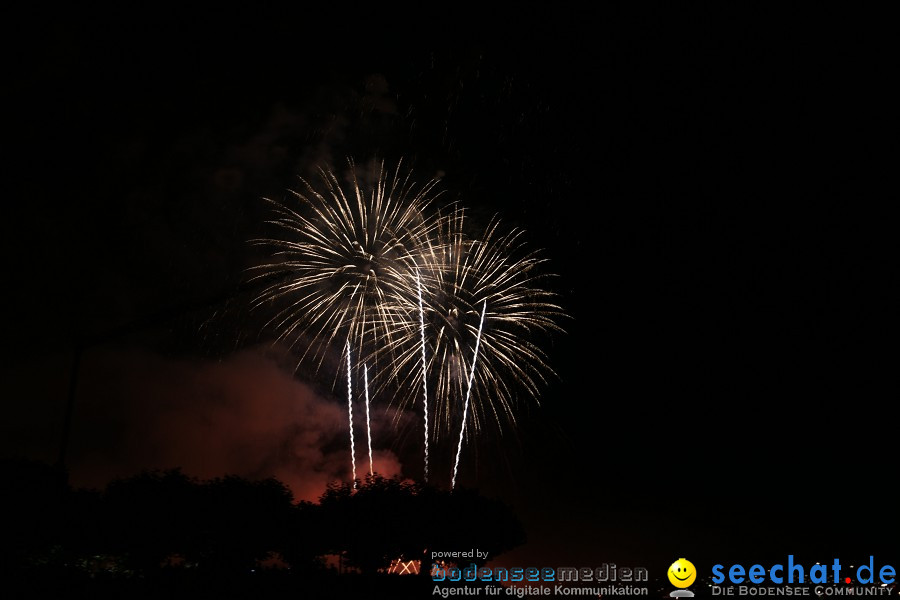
[(244, 415)]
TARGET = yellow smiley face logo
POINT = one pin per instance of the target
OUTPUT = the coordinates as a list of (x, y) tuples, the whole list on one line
[(682, 573)]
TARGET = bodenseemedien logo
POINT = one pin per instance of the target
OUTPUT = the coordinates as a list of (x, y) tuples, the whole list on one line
[(682, 574)]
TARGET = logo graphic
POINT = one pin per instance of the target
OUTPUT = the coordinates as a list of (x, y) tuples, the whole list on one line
[(682, 574)]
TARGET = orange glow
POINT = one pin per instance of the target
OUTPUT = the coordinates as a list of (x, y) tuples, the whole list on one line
[(399, 567)]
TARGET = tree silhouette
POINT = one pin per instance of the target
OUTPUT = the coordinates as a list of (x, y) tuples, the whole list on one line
[(386, 519), (242, 523), (305, 538), (150, 517), (464, 520), (31, 521), (164, 533), (374, 524), (225, 525)]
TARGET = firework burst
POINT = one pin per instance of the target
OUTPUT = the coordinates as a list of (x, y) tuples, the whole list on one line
[(361, 266), (459, 275), (342, 262)]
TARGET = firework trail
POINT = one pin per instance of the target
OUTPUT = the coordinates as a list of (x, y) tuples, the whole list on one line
[(424, 369), (462, 430), (368, 421), (350, 413)]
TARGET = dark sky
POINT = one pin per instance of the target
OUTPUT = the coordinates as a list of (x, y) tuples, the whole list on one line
[(695, 180)]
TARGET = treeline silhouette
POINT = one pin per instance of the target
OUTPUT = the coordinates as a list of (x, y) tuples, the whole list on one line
[(163, 532)]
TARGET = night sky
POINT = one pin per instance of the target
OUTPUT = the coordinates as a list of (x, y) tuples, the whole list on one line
[(695, 181)]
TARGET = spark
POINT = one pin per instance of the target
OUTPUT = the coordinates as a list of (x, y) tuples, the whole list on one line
[(462, 430)]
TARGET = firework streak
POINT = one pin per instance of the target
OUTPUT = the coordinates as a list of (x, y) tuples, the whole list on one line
[(368, 421), (462, 429), (424, 370), (350, 414)]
